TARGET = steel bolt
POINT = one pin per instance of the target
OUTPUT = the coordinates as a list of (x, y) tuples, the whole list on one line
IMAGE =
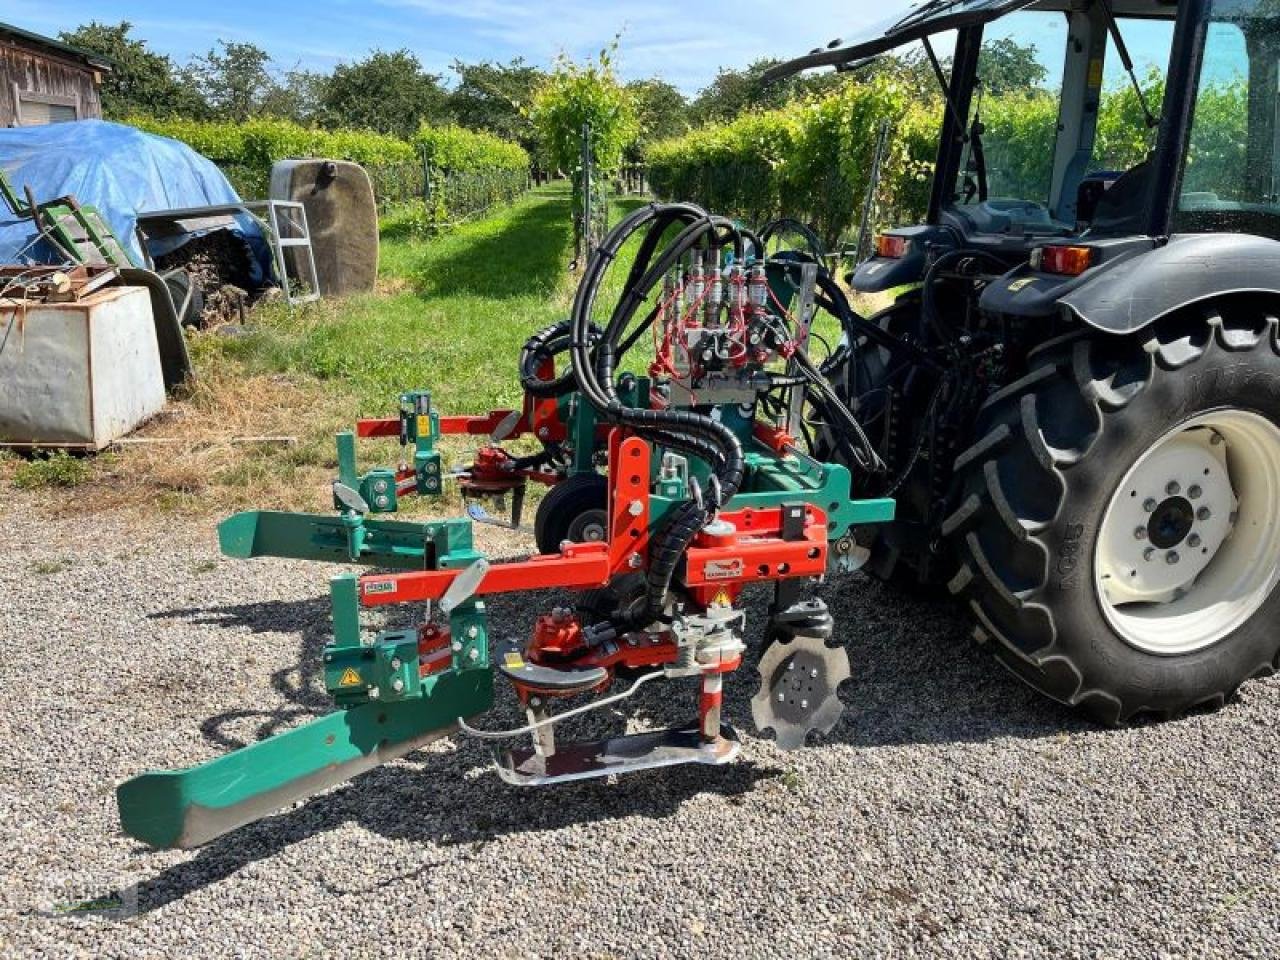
[(1140, 533), (782, 697), (1194, 492), (1149, 554), (397, 685), (473, 632), (1194, 540), (1173, 488), (635, 508), (1150, 505), (791, 665), (395, 663), (455, 646), (1204, 513), (634, 561), (1172, 557), (814, 673), (543, 432), (804, 704), (474, 654)]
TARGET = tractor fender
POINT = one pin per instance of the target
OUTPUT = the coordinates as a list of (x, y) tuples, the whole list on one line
[(1129, 293)]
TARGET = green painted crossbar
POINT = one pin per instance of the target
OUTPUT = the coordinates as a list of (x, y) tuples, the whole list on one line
[(396, 544), (186, 808)]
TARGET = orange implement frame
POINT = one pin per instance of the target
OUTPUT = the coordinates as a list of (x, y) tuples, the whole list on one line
[(754, 552)]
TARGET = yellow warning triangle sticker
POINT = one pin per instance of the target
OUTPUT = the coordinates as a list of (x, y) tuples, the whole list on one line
[(350, 678), (722, 599)]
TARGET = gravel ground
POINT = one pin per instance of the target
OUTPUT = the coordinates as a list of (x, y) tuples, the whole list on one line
[(951, 813)]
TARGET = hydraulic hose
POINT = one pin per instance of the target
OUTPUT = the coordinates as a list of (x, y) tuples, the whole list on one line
[(687, 430)]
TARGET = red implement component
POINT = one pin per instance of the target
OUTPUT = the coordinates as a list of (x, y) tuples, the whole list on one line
[(755, 552), (558, 643), (434, 654), (556, 635), (473, 425), (582, 567), (775, 438), (629, 467), (493, 471)]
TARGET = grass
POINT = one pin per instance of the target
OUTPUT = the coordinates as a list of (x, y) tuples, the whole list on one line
[(256, 427), (53, 470), (449, 313)]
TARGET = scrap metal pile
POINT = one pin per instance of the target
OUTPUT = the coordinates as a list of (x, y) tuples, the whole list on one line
[(694, 391)]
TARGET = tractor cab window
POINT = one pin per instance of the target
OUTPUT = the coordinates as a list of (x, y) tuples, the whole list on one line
[(1231, 174), (1016, 103), (1060, 122)]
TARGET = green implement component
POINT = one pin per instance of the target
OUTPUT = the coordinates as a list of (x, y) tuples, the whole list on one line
[(186, 808), (396, 544), (771, 481)]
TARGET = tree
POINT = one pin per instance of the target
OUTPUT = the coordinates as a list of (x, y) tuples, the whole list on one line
[(141, 81), (734, 91), (296, 98), (661, 111), (574, 95), (496, 97), (1006, 66), (386, 92), (234, 80)]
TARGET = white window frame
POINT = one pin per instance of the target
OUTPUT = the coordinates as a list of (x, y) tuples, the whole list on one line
[(47, 99)]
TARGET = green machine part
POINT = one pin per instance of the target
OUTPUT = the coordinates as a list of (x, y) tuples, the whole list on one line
[(419, 429), (186, 808), (387, 709)]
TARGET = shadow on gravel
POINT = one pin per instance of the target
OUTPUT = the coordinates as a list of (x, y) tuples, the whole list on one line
[(444, 799), (300, 686), (917, 678)]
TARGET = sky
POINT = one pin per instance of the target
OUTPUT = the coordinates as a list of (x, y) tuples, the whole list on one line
[(683, 43)]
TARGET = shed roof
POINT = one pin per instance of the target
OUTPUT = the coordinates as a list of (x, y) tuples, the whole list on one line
[(96, 60)]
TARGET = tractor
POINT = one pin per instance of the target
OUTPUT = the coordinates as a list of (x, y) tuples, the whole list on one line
[(1087, 453), (1069, 416)]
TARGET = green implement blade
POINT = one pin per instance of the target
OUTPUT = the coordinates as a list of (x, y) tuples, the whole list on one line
[(186, 808)]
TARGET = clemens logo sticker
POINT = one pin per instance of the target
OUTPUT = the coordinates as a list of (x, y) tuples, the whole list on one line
[(379, 586), (722, 569)]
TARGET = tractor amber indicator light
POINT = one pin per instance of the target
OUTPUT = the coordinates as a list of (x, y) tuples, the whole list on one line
[(1067, 261), (892, 248)]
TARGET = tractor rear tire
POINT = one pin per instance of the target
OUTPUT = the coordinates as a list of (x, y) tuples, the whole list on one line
[(576, 510), (1118, 617)]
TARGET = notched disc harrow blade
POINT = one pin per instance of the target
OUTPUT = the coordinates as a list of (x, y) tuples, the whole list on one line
[(799, 680)]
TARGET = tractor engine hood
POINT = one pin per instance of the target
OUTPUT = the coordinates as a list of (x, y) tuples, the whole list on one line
[(937, 16)]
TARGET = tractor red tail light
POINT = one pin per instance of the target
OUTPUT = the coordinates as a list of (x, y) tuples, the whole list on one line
[(892, 248), (1067, 261)]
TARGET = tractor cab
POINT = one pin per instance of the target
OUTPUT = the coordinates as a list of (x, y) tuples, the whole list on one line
[(1152, 118)]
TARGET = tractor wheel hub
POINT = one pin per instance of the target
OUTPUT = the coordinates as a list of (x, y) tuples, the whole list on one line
[(1187, 548)]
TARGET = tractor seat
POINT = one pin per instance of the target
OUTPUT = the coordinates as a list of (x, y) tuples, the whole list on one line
[(549, 679)]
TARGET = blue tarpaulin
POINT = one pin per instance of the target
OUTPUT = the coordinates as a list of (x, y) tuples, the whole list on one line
[(117, 169)]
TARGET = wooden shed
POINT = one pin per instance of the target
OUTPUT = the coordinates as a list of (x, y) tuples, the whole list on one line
[(46, 81)]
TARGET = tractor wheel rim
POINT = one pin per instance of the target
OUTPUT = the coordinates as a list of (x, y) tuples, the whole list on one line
[(1189, 547)]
